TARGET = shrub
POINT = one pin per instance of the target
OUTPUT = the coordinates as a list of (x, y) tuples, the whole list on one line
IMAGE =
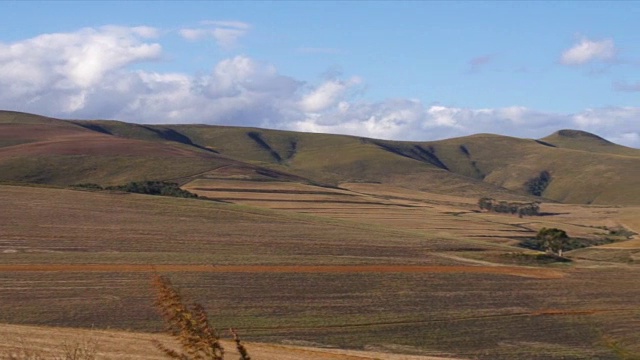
[(621, 232), (491, 205), (83, 349), (154, 188), (189, 324), (88, 186)]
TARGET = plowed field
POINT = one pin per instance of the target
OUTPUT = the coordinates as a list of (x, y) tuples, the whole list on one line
[(537, 273)]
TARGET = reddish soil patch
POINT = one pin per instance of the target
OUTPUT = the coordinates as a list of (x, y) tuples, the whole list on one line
[(97, 145), (498, 270), (39, 132)]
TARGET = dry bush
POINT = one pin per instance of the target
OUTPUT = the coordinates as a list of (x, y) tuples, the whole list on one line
[(244, 355), (190, 326), (82, 350), (79, 350), (24, 353)]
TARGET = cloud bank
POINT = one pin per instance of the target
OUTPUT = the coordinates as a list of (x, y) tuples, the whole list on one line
[(88, 74)]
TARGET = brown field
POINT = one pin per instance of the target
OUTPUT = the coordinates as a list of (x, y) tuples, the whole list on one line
[(414, 273), (69, 140), (314, 269), (433, 214), (138, 346)]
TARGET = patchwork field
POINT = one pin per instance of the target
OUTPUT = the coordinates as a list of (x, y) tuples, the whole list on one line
[(390, 271)]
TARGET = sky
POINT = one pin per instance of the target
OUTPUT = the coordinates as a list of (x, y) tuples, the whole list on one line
[(419, 70)]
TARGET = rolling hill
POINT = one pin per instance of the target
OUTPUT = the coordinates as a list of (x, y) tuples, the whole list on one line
[(568, 166), (320, 240)]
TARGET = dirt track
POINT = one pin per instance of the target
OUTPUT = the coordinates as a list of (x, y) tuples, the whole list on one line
[(497, 270)]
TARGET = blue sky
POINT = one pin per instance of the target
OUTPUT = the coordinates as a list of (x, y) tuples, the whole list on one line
[(397, 70)]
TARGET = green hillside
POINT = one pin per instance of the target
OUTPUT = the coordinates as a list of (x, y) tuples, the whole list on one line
[(576, 176), (42, 150), (568, 166)]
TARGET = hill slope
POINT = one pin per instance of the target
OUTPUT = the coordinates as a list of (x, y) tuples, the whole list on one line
[(568, 166), (573, 175), (43, 150)]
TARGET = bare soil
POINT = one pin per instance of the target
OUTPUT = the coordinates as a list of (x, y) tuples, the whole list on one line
[(538, 273)]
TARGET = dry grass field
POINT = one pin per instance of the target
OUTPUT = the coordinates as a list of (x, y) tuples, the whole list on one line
[(390, 271), (122, 345)]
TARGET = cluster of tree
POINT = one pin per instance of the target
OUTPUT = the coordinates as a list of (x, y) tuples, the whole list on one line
[(163, 188), (557, 241), (537, 185), (551, 240), (522, 209)]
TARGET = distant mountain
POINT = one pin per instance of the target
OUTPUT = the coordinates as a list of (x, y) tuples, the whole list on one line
[(568, 166)]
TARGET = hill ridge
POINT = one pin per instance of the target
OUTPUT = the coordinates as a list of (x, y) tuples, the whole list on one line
[(583, 167)]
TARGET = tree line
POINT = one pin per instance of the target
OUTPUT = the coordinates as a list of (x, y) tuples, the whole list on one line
[(162, 188), (522, 209)]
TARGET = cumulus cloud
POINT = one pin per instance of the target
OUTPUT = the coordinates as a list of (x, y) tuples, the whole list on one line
[(586, 51), (238, 91), (410, 119), (88, 74), (224, 33), (617, 124), (50, 68), (327, 94)]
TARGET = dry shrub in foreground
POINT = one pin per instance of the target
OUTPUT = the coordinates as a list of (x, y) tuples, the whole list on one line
[(79, 350), (190, 325)]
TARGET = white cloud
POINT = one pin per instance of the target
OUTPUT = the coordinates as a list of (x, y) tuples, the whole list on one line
[(224, 33), (227, 24), (87, 74), (629, 138), (586, 51), (327, 94), (227, 37), (413, 120), (146, 32), (68, 60), (194, 34)]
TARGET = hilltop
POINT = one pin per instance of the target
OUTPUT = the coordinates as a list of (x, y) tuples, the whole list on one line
[(568, 166)]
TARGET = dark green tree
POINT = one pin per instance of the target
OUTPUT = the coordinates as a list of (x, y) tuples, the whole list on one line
[(538, 184), (485, 203), (552, 240), (162, 188)]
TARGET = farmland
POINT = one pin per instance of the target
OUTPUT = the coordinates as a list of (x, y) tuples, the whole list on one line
[(391, 270), (319, 246)]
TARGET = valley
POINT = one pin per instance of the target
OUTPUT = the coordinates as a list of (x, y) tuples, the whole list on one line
[(342, 247)]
